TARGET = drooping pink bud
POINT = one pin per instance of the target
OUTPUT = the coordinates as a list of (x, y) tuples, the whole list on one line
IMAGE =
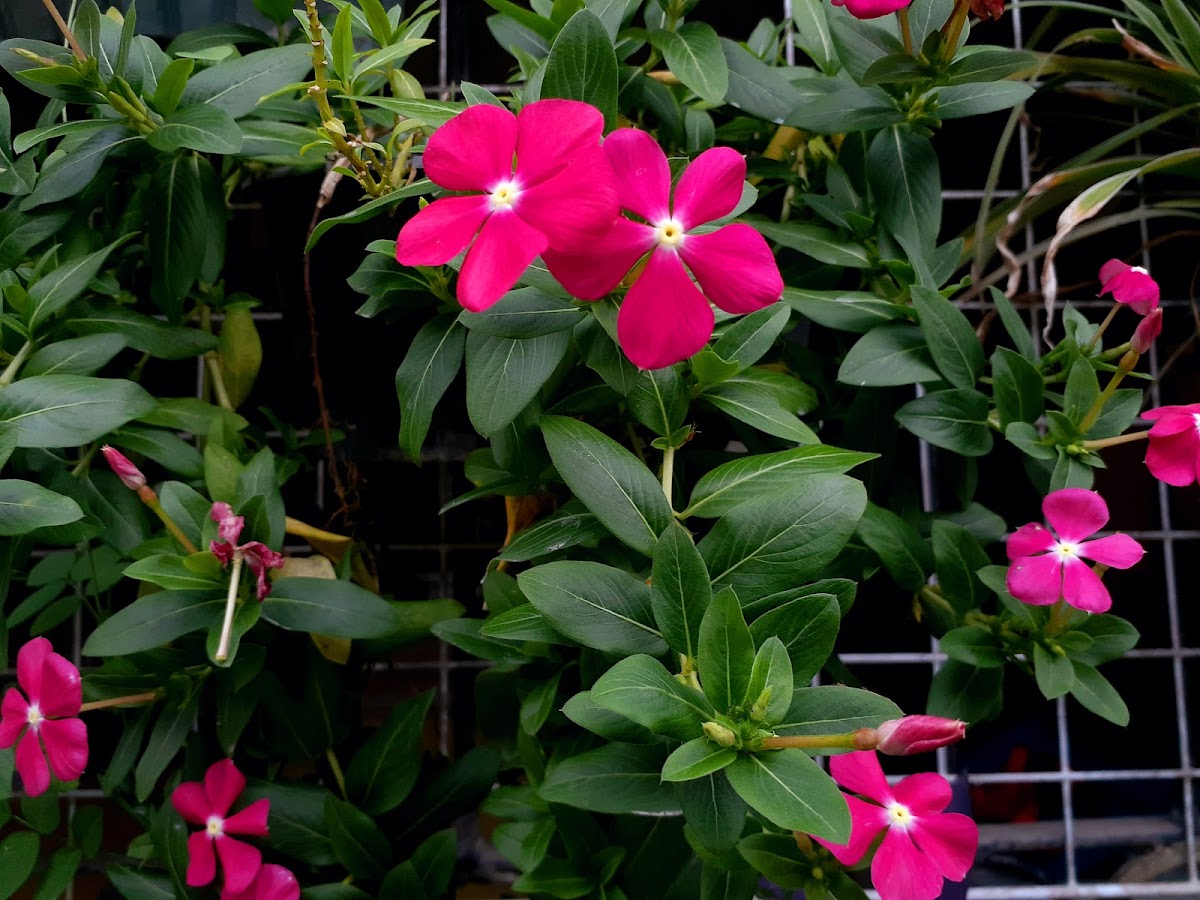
[(1147, 332), (1131, 285), (917, 734), (131, 476)]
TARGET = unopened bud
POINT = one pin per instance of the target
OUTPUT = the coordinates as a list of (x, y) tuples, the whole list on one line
[(131, 476), (1147, 332), (337, 126), (917, 734), (719, 734), (758, 711), (33, 57), (987, 9)]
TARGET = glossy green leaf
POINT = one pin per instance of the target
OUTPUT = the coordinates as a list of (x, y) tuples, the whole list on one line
[(726, 651), (504, 375), (1018, 388), (429, 367), (582, 66), (835, 709), (954, 420), (695, 759), (642, 691), (693, 54), (769, 693), (333, 608), (952, 341), (154, 620), (807, 627), (70, 410), (235, 86), (1094, 692), (385, 768), (25, 506), (204, 128), (614, 778), (792, 792), (679, 589), (888, 356)]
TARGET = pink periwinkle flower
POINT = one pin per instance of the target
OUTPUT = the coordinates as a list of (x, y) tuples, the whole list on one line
[(665, 318), (1131, 285), (1147, 332), (559, 194), (131, 476), (43, 713), (271, 883), (871, 9), (1047, 565), (207, 803), (922, 845), (1174, 452), (255, 554), (918, 734)]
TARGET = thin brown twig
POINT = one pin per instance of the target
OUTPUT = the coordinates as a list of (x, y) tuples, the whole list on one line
[(62, 26)]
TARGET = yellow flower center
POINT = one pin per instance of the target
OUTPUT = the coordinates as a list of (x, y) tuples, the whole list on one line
[(504, 195), (215, 826), (900, 815), (669, 233), (1065, 551)]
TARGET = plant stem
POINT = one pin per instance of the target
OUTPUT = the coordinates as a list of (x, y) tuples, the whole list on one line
[(62, 26), (1101, 443), (336, 768), (218, 381), (1112, 314), (1127, 365), (130, 700), (952, 30), (668, 472), (905, 29), (863, 739), (1060, 617), (10, 371), (235, 576), (150, 498)]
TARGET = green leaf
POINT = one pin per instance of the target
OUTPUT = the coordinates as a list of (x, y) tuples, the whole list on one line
[(504, 375), (524, 844), (693, 54), (615, 778), (154, 620), (1094, 692), (144, 333), (544, 28), (582, 66), (428, 369), (52, 292), (642, 691), (609, 480), (538, 704), (951, 339), (835, 709), (1018, 388), (203, 128), (66, 174), (342, 47), (855, 311), (176, 242), (297, 820), (807, 627), (570, 526), (726, 651), (834, 106), (792, 792), (16, 176), (385, 768), (902, 168), (373, 208), (357, 841), (1054, 672), (524, 313), (235, 86), (597, 605), (756, 88), (166, 740), (25, 506), (18, 855), (75, 356), (772, 543), (748, 339), (171, 85), (960, 691), (586, 713), (1083, 390), (136, 884), (173, 573), (957, 557), (973, 646), (60, 874), (889, 356), (954, 420), (333, 608), (822, 244), (1112, 637), (767, 401), (962, 100), (679, 589), (714, 812), (752, 477), (989, 64), (70, 410), (772, 672), (898, 545), (1017, 328), (659, 400), (695, 759)]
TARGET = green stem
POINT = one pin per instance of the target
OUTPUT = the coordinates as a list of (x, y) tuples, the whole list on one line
[(668, 472), (10, 372), (131, 700), (1101, 443), (1060, 617), (905, 29), (1128, 362), (1112, 314), (218, 382), (148, 497), (336, 768), (863, 739), (235, 576), (952, 30)]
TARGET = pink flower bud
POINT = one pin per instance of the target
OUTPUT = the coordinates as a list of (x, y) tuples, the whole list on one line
[(916, 734), (987, 9), (1147, 331), (871, 9), (131, 476), (1131, 285)]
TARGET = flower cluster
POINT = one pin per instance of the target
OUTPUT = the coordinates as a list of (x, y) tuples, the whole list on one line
[(255, 554), (561, 200)]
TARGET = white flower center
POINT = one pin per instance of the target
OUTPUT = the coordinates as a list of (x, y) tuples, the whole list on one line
[(1139, 270), (1196, 421), (669, 233), (504, 195), (215, 826), (1065, 551), (34, 716), (900, 816)]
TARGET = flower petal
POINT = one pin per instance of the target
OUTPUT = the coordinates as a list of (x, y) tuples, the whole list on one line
[(1172, 423), (191, 802), (1111, 270), (642, 175), (251, 820), (596, 272), (1083, 589), (31, 659), (66, 747), (14, 715), (222, 784), (62, 691), (950, 841), (1172, 459), (240, 861), (1130, 285), (1158, 412), (1117, 550), (441, 231), (871, 9), (504, 249), (474, 150), (1028, 540), (734, 266), (664, 319), (549, 133), (867, 820), (272, 883), (709, 188), (860, 772), (202, 863), (31, 764), (902, 872), (923, 793), (1035, 579), (1075, 513), (577, 206)]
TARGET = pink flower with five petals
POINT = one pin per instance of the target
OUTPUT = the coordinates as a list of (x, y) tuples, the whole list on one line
[(871, 9), (1130, 285), (271, 883), (665, 318), (559, 194), (46, 715), (1047, 565), (255, 554), (1174, 452), (207, 803), (922, 845)]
